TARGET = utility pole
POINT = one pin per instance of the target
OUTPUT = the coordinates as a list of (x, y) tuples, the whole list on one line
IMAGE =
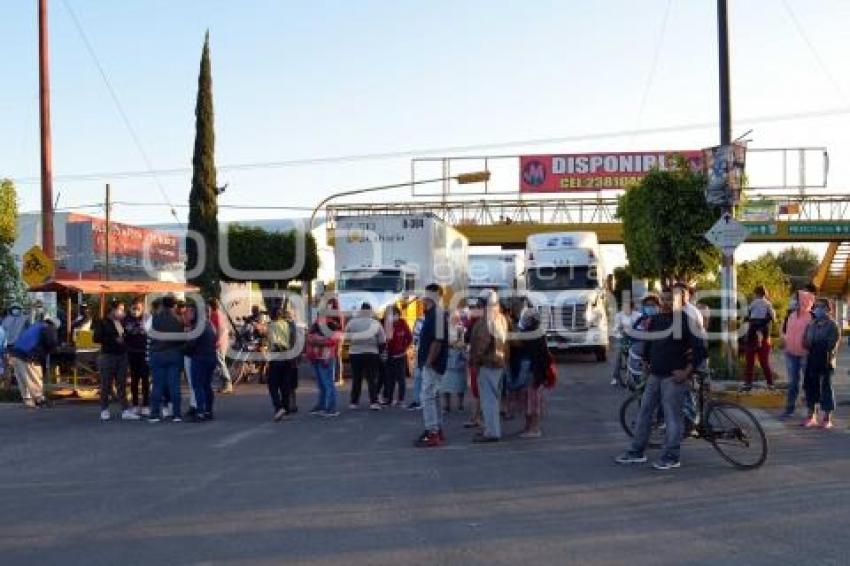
[(728, 279), (106, 235), (46, 147)]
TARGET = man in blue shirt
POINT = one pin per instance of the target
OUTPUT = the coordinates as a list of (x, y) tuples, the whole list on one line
[(431, 359)]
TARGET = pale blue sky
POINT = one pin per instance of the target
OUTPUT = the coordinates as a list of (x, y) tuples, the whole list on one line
[(311, 79)]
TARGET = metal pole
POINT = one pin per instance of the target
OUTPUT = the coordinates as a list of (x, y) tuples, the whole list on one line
[(728, 274), (46, 150), (106, 234)]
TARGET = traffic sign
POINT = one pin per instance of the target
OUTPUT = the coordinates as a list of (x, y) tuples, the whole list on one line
[(37, 267), (727, 234)]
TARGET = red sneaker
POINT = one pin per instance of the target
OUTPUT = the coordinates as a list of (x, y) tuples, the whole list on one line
[(432, 440)]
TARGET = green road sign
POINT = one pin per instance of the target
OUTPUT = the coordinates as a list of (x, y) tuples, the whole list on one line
[(761, 228), (819, 228)]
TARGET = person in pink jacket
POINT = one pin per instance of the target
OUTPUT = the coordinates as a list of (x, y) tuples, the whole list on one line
[(793, 332)]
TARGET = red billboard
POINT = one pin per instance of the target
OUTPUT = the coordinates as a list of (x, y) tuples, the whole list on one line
[(130, 241), (576, 172)]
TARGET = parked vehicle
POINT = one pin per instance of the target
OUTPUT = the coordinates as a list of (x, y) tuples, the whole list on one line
[(565, 279)]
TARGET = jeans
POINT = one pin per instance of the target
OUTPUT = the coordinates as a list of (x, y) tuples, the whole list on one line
[(417, 386), (187, 369), (325, 381), (395, 376), (490, 390), (201, 375), (431, 413), (112, 368), (364, 366), (818, 387), (140, 378), (221, 363), (280, 386), (166, 366), (671, 396), (796, 367)]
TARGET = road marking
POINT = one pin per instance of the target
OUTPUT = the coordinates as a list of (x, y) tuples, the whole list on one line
[(238, 437)]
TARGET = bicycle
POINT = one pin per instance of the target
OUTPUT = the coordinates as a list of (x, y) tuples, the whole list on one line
[(730, 428)]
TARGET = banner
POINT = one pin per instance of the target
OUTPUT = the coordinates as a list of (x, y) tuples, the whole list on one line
[(596, 171), (724, 167)]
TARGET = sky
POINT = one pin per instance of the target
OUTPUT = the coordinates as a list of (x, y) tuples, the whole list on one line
[(297, 81)]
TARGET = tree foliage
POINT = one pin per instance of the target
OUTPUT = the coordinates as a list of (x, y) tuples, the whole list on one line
[(259, 250), (664, 220), (797, 261), (765, 270), (11, 287), (203, 198)]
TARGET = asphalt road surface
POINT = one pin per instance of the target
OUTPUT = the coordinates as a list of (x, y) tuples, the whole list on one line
[(354, 491)]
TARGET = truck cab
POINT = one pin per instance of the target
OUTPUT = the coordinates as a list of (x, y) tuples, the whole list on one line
[(565, 282)]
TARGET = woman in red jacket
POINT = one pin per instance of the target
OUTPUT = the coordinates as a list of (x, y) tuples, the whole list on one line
[(399, 339)]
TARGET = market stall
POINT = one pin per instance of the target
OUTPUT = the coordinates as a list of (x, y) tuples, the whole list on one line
[(72, 369)]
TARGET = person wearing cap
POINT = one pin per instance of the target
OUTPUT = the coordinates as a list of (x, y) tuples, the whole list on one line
[(28, 356), (531, 365), (489, 353)]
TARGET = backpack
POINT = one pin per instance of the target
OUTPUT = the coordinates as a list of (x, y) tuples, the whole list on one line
[(29, 339)]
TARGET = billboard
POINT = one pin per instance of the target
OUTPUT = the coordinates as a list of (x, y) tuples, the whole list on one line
[(126, 241), (595, 171), (724, 167)]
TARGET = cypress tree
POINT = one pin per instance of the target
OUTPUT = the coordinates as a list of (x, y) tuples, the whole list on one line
[(203, 205)]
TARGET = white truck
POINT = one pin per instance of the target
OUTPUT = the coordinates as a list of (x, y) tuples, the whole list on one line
[(389, 259), (565, 279), (501, 272)]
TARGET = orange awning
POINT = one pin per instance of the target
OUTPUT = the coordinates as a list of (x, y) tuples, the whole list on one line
[(113, 287)]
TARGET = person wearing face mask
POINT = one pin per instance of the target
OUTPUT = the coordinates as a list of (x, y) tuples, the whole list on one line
[(624, 320), (821, 341), (649, 307), (112, 362), (793, 332), (673, 349)]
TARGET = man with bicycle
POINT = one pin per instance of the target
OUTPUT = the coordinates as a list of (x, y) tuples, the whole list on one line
[(674, 346)]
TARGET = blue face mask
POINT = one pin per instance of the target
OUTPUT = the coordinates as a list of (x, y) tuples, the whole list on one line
[(650, 310), (819, 312)]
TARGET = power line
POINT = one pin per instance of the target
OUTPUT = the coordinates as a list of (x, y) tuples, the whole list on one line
[(410, 153), (804, 36), (136, 140), (653, 65)]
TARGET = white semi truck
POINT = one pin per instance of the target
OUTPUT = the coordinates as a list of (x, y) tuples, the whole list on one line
[(501, 272), (565, 279), (389, 259)]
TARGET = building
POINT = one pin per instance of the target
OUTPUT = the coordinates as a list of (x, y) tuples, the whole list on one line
[(134, 252)]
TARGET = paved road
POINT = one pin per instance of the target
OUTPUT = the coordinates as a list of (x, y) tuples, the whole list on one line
[(354, 491)]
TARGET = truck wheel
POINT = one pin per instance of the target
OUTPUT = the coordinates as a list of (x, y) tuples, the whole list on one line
[(601, 354)]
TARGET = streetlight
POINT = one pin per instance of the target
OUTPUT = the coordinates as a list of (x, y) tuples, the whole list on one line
[(462, 179)]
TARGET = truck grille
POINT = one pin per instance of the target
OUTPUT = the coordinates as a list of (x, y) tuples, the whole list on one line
[(564, 317)]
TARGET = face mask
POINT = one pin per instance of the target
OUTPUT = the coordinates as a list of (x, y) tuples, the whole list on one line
[(650, 310), (819, 312), (793, 305), (16, 312)]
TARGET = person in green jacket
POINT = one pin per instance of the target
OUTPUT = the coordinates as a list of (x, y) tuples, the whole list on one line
[(821, 341)]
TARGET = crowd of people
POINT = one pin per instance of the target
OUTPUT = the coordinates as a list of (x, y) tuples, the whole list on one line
[(494, 350)]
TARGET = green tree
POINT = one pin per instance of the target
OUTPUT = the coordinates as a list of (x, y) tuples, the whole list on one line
[(256, 249), (797, 261), (11, 287), (664, 220), (765, 270), (203, 198)]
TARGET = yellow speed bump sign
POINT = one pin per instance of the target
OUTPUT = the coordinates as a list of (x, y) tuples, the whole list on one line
[(37, 268)]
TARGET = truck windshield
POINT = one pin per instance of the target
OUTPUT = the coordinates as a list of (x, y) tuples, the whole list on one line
[(562, 278), (374, 281)]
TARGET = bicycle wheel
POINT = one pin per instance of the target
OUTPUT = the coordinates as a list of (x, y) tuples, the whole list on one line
[(629, 411), (736, 434)]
